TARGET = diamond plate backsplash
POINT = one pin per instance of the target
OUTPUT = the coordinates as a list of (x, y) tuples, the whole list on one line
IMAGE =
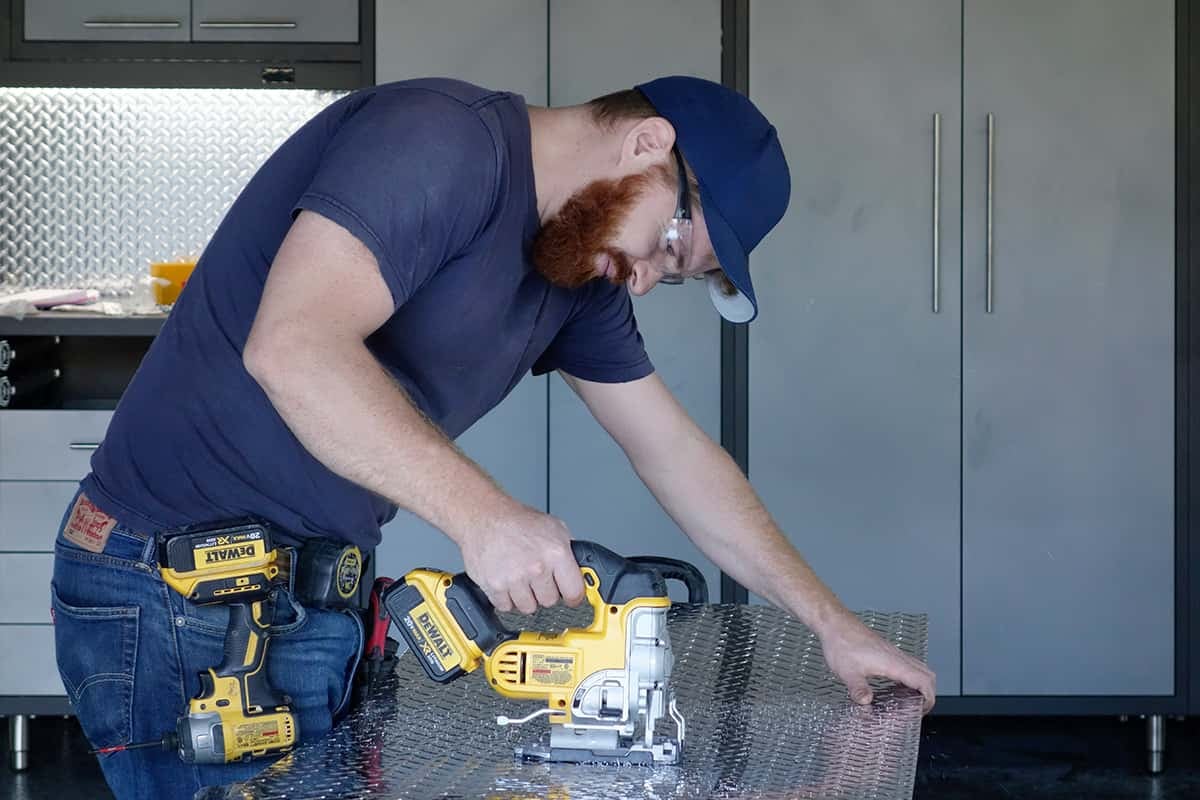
[(97, 183)]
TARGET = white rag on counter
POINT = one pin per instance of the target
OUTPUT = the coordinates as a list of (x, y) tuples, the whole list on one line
[(18, 304)]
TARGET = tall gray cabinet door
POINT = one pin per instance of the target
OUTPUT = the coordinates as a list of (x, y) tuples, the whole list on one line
[(501, 46), (1068, 384), (597, 48), (854, 376)]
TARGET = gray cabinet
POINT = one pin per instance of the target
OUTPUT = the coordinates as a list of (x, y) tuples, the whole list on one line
[(597, 48), (275, 21), (108, 20), (854, 377), (31, 511), (51, 445), (24, 582), (1068, 384), (501, 46), (1031, 443), (27, 663), (302, 44), (192, 20), (43, 454)]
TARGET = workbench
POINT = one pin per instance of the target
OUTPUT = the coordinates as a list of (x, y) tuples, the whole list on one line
[(765, 718)]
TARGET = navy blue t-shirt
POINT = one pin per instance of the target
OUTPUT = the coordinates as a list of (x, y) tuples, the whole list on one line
[(436, 178)]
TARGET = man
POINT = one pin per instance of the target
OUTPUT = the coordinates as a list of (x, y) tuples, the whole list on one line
[(384, 280)]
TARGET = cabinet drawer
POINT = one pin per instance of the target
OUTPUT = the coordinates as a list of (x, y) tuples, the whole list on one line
[(49, 445), (27, 664), (108, 20), (30, 513), (275, 21), (25, 587)]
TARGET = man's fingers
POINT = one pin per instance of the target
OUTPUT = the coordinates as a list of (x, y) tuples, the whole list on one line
[(569, 580), (523, 599), (860, 691), (917, 676), (545, 590), (500, 600), (927, 685)]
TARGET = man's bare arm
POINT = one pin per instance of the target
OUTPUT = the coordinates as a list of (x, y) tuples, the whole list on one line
[(323, 297), (702, 489)]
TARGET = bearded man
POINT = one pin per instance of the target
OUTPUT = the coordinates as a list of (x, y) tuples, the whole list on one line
[(383, 281)]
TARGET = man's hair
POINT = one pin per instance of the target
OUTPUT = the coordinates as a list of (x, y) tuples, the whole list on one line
[(625, 104)]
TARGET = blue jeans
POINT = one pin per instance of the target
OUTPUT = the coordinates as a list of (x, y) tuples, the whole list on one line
[(130, 650)]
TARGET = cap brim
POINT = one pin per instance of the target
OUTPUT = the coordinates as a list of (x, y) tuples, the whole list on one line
[(742, 306)]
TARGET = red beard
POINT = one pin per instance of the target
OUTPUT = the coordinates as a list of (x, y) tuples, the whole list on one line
[(566, 247)]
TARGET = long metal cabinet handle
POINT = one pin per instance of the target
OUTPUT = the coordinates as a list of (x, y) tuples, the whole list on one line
[(132, 23), (247, 25), (937, 212), (991, 202), (84, 445)]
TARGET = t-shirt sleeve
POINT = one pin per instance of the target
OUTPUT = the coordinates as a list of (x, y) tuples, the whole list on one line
[(413, 176), (600, 341)]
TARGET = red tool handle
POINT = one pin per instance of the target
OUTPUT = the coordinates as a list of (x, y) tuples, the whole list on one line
[(381, 620)]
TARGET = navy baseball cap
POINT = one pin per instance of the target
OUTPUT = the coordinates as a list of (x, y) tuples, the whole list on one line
[(738, 161)]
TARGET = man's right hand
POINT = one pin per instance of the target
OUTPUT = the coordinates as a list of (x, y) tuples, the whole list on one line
[(523, 559)]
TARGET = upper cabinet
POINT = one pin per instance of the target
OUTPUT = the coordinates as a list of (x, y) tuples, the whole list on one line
[(108, 20), (275, 21), (314, 44), (188, 20)]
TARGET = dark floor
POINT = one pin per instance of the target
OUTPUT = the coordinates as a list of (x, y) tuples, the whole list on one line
[(961, 757), (1098, 758)]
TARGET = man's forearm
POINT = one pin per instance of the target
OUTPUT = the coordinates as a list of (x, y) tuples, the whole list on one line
[(706, 494), (363, 427)]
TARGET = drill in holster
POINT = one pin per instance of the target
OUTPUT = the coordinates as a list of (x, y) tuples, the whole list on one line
[(237, 714)]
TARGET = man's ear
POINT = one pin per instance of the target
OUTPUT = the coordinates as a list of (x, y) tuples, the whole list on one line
[(648, 141)]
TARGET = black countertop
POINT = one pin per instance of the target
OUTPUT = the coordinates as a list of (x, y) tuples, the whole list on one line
[(78, 323)]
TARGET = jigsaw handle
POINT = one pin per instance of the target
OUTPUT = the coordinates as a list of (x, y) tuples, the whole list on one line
[(621, 579), (682, 571)]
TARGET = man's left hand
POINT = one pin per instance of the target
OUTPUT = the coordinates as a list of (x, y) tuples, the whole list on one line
[(855, 653)]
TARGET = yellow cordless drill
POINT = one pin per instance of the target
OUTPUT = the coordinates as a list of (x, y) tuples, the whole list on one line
[(237, 715)]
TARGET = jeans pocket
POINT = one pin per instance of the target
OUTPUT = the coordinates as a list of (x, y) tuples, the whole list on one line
[(354, 660), (96, 648)]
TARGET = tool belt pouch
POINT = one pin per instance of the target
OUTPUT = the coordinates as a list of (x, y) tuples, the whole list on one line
[(328, 574)]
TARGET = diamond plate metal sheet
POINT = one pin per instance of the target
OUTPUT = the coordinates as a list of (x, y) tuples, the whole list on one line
[(765, 719), (97, 183)]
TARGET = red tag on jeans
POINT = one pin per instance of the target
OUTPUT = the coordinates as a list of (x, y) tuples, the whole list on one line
[(88, 526)]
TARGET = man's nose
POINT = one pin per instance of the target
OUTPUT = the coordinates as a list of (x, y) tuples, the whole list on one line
[(643, 278)]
